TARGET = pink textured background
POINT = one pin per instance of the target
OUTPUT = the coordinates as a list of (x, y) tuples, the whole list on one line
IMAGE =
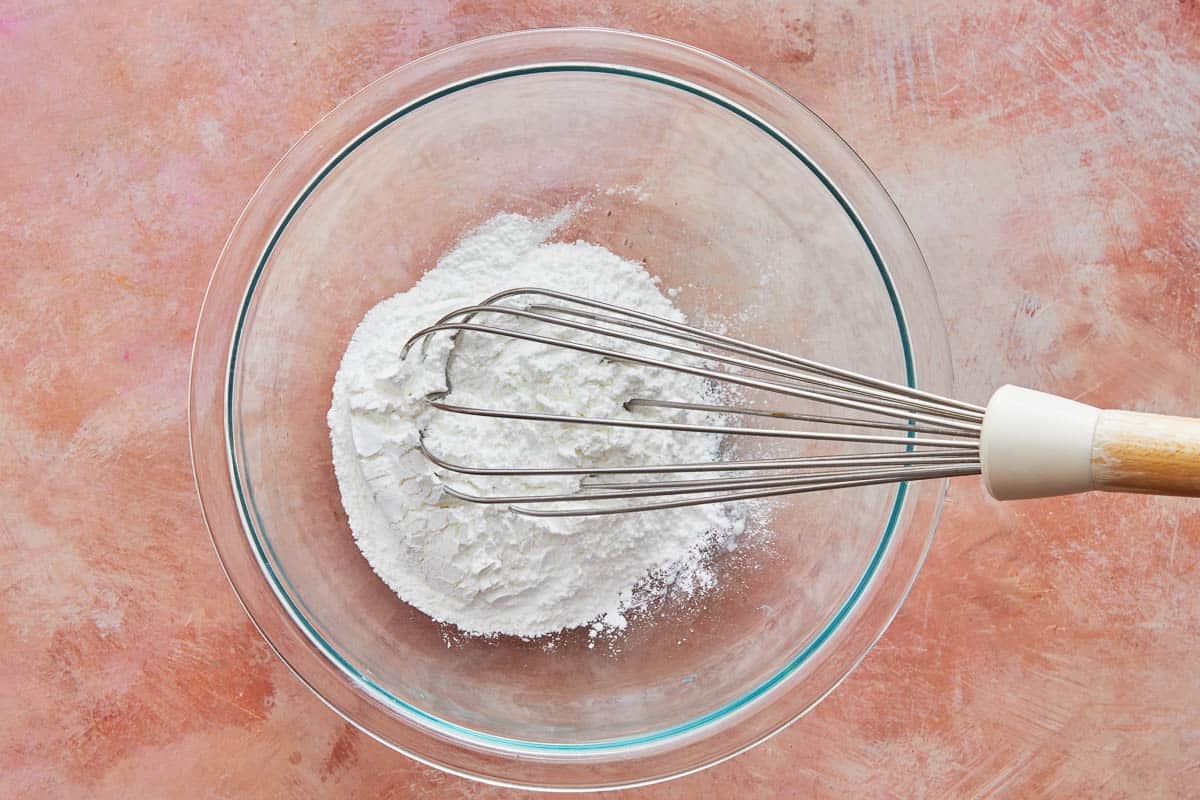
[(1046, 156)]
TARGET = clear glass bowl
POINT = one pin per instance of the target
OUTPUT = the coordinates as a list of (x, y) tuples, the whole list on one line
[(725, 187)]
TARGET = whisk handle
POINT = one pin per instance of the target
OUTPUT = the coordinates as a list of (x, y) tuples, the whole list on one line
[(1035, 444), (1147, 453)]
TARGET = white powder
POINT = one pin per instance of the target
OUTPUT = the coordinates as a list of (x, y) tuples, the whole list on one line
[(484, 568)]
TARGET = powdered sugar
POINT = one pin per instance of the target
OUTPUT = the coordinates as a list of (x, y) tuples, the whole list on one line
[(482, 567)]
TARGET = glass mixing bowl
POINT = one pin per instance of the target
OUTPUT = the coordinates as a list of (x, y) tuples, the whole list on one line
[(722, 185)]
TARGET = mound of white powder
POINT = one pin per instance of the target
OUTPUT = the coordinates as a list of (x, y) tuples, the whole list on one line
[(484, 568)]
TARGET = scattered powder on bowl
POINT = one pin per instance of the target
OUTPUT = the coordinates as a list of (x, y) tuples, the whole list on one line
[(484, 568)]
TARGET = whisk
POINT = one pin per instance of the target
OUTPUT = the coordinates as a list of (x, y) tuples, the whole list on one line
[(1025, 443)]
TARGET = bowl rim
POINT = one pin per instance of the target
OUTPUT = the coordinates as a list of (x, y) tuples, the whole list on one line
[(642, 746)]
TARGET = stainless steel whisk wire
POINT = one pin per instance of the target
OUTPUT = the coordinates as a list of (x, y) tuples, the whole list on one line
[(939, 435)]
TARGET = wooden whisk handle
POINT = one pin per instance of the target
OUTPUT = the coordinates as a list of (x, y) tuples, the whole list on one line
[(1148, 453), (1035, 444)]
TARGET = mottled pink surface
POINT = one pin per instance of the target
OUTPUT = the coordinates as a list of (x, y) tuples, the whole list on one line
[(1046, 156)]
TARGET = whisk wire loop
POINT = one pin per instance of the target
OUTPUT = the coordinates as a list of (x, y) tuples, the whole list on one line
[(938, 436)]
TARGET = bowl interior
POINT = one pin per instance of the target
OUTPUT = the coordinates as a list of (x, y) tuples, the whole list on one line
[(660, 173)]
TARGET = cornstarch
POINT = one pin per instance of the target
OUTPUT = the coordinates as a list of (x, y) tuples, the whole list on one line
[(484, 568)]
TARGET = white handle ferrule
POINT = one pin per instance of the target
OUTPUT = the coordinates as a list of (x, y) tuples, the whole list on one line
[(1035, 444)]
